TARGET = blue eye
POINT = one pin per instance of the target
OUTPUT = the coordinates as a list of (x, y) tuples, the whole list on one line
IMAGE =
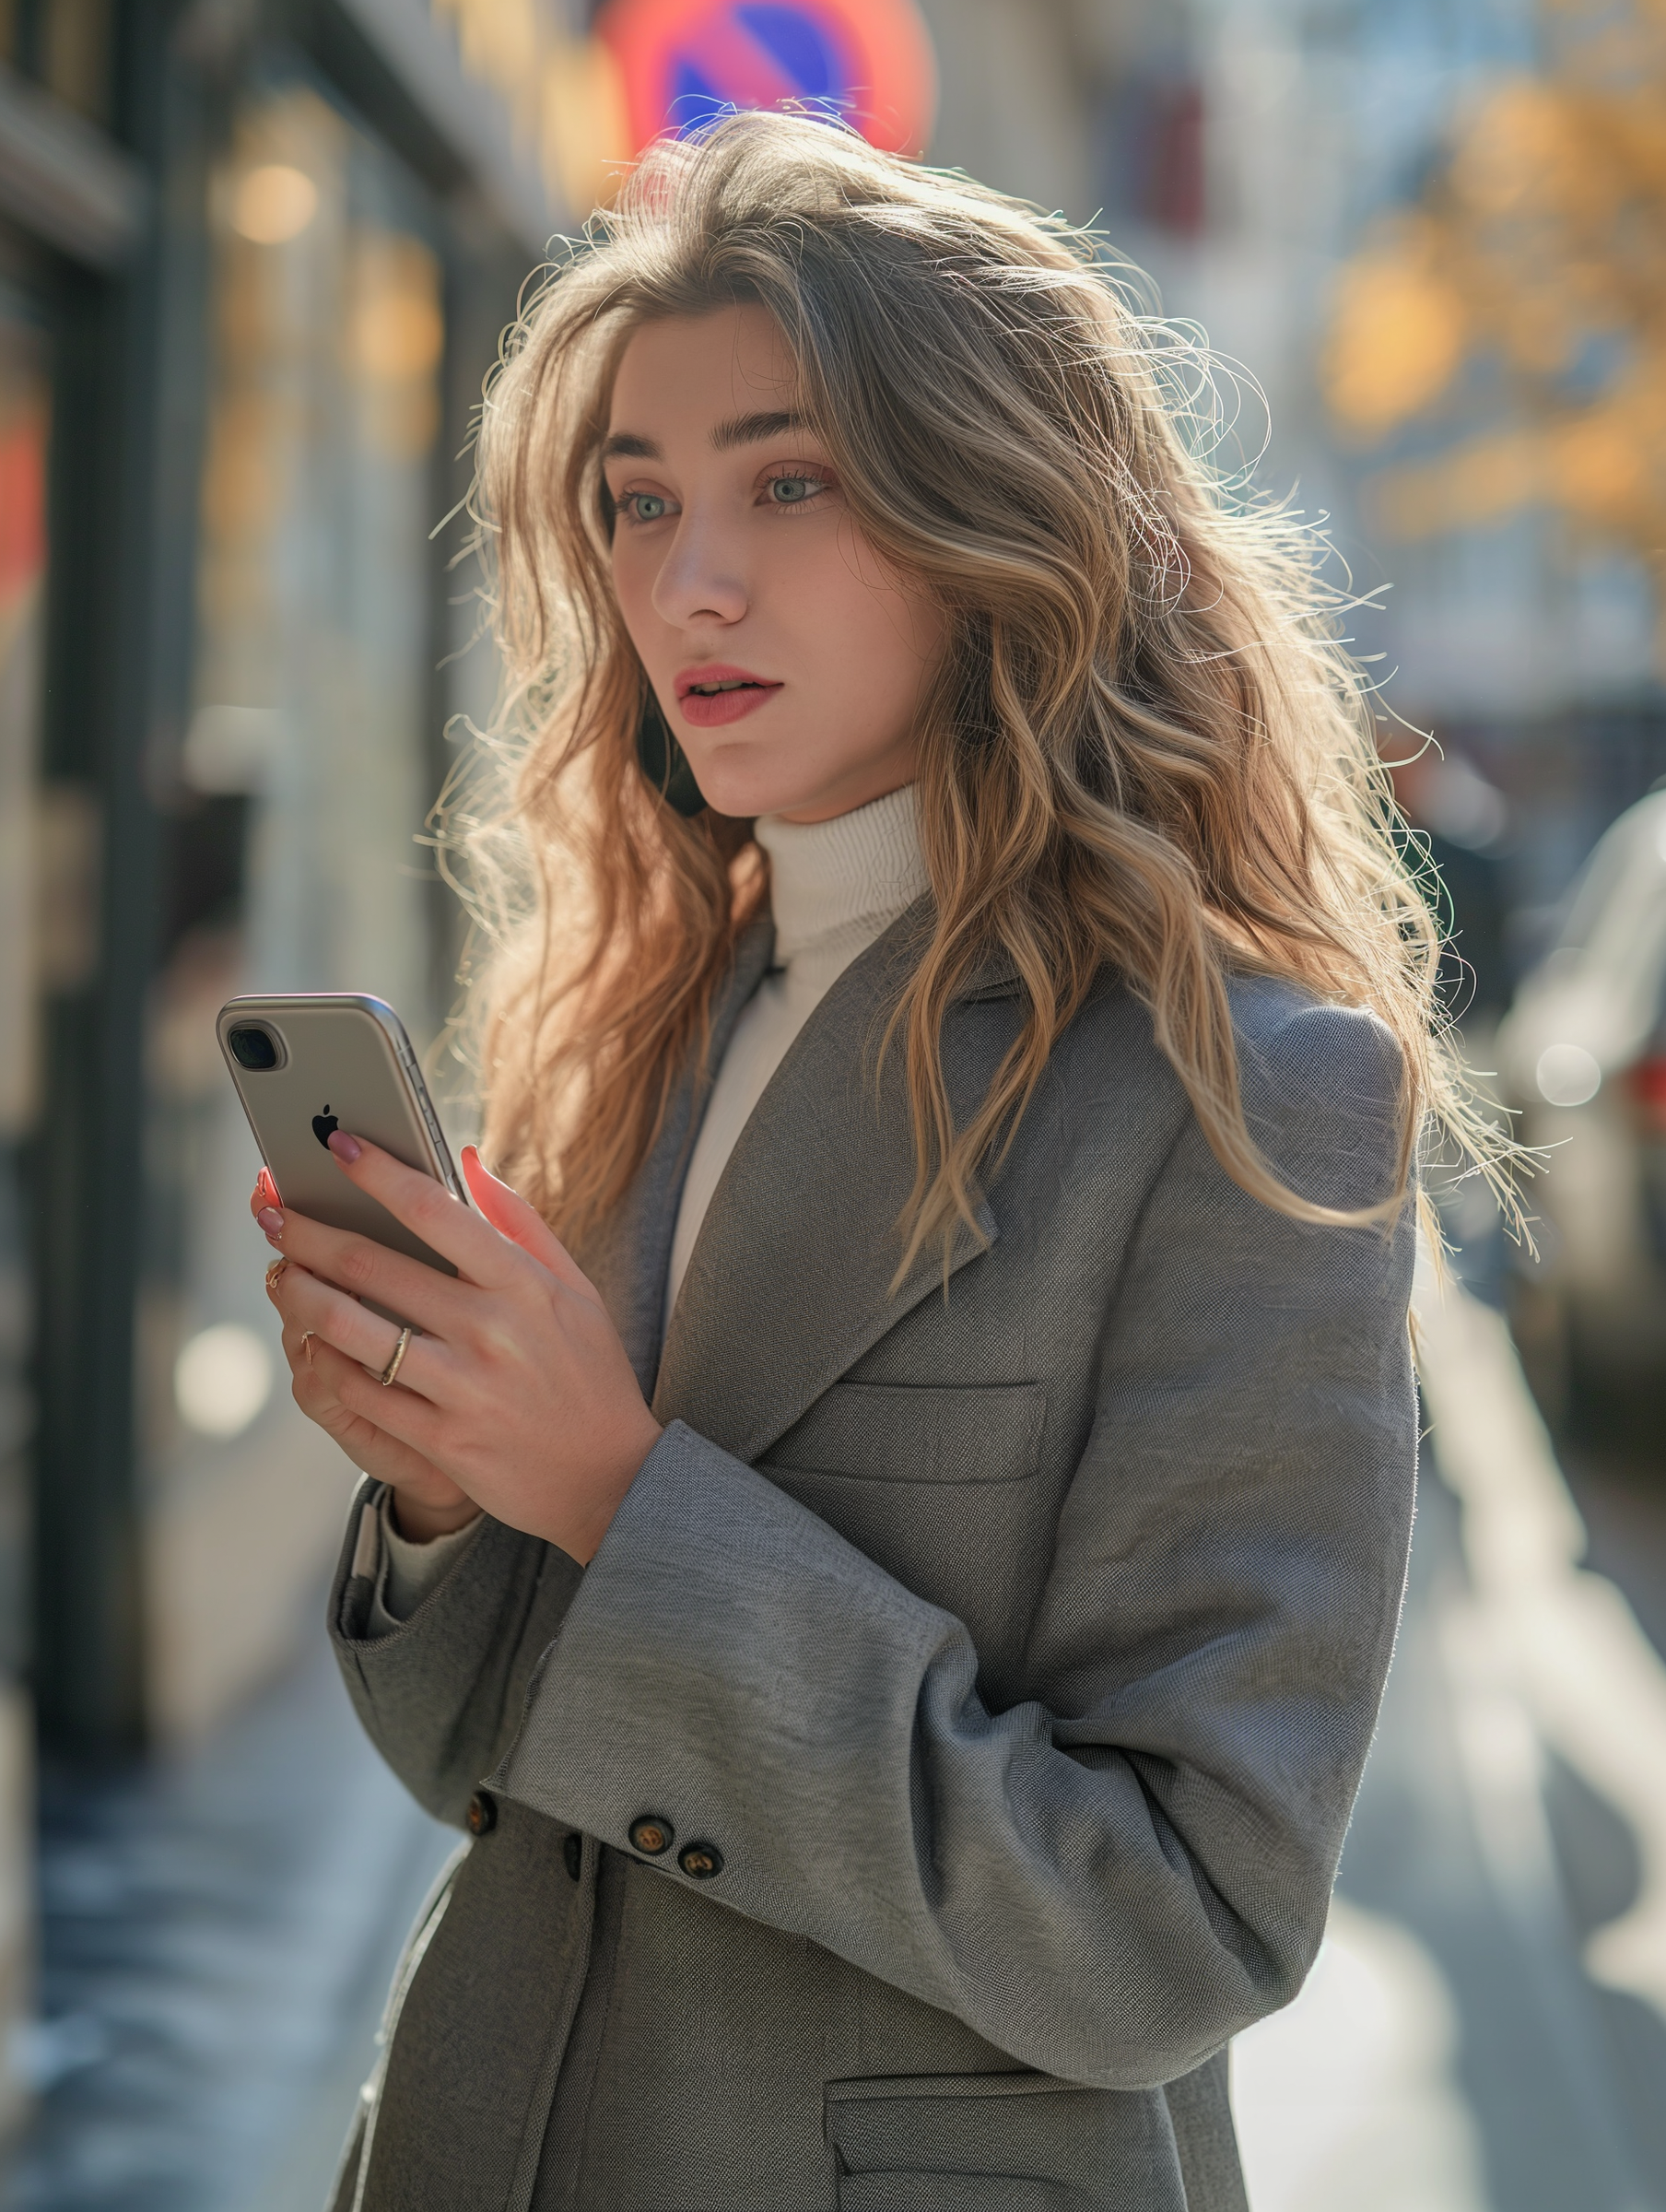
[(793, 491), (645, 506)]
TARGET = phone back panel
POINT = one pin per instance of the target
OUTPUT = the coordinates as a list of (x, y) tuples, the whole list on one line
[(346, 1063)]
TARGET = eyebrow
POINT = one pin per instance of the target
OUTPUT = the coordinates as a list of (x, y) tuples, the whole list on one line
[(740, 429), (751, 430)]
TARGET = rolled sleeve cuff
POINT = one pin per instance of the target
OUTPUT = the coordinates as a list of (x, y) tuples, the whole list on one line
[(403, 1572)]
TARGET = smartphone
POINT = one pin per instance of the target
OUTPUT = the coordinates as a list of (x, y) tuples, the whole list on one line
[(327, 1060)]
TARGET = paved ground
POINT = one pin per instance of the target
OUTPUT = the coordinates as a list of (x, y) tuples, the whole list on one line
[(219, 1939), (1486, 2030)]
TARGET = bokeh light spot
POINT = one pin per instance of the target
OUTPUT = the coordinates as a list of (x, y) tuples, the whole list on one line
[(274, 203), (222, 1378), (1567, 1075)]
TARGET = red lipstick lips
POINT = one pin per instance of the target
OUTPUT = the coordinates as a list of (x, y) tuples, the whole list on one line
[(710, 696)]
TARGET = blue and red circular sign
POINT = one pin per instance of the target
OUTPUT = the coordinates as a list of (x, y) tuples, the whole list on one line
[(684, 61)]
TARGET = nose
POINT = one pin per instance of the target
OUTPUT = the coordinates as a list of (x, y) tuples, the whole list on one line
[(703, 577)]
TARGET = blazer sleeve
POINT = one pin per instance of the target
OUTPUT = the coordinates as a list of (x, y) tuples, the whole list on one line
[(442, 1693), (1110, 1878), (408, 1571)]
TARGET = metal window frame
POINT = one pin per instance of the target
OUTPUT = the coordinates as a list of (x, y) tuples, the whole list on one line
[(122, 222)]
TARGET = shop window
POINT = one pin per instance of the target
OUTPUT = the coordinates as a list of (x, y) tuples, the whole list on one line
[(23, 437), (65, 46), (304, 779)]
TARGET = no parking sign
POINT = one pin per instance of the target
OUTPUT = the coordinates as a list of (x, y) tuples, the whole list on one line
[(684, 61)]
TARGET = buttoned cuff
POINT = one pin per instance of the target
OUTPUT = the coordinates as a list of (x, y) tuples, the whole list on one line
[(719, 1629)]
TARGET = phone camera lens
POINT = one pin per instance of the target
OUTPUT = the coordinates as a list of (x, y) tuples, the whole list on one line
[(254, 1048)]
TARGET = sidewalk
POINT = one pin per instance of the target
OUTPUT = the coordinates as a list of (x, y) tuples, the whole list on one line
[(1485, 2030), (218, 1939)]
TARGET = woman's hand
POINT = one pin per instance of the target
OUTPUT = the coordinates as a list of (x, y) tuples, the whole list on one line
[(426, 1503), (516, 1395)]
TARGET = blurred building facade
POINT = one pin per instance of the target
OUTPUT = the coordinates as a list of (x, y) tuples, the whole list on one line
[(1422, 244), (254, 257), (255, 263)]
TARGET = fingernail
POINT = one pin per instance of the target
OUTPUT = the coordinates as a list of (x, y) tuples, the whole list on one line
[(344, 1147), (271, 1220)]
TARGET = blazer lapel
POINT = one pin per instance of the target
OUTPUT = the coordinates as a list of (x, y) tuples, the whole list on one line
[(628, 1256), (790, 1280)]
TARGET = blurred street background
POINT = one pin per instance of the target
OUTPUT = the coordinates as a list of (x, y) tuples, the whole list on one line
[(256, 256)]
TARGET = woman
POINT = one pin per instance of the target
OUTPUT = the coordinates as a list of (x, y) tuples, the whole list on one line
[(892, 1544)]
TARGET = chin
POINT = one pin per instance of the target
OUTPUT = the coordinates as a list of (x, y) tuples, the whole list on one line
[(746, 789)]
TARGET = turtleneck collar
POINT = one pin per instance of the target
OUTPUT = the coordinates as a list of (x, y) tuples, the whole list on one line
[(836, 885)]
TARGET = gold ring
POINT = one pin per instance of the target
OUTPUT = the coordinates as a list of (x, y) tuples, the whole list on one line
[(306, 1343), (390, 1374), (275, 1270)]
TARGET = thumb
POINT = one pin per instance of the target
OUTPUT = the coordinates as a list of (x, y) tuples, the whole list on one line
[(511, 1216)]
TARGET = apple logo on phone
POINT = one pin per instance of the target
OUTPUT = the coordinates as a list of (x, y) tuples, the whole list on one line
[(324, 1125)]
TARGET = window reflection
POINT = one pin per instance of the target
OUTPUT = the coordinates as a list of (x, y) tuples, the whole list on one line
[(23, 435), (306, 775)]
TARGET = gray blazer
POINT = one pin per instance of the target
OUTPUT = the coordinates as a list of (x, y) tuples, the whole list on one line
[(951, 1745)]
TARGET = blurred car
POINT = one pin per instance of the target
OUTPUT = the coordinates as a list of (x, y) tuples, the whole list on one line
[(1582, 1055)]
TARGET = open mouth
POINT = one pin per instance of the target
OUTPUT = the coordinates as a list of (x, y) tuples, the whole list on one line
[(715, 694), (717, 677)]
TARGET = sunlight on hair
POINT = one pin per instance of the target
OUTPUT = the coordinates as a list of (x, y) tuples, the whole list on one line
[(1150, 751)]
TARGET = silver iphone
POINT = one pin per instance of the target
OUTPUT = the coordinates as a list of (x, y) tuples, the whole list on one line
[(327, 1060)]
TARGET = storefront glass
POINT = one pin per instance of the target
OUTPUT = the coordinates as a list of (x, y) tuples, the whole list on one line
[(23, 439), (307, 771)]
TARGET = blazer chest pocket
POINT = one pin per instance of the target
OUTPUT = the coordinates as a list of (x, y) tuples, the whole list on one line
[(906, 1433)]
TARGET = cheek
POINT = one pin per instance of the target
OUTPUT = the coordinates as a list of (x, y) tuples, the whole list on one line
[(633, 578), (883, 641)]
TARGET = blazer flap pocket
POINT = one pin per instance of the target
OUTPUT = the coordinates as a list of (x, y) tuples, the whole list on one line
[(912, 2142), (881, 2088), (954, 2193), (908, 1433)]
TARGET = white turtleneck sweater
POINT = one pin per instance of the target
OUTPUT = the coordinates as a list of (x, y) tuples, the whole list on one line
[(835, 887)]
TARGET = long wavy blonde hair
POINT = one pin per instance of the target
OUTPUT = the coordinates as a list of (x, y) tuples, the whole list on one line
[(1146, 750)]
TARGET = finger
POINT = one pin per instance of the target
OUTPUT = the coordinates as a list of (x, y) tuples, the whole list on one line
[(311, 1305), (366, 1442), (315, 1309), (473, 1247), (297, 1344), (311, 1372), (511, 1215), (264, 1193), (408, 1417), (318, 1370), (365, 1269), (310, 1366)]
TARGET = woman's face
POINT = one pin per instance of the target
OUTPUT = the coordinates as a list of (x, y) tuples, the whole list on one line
[(790, 661)]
